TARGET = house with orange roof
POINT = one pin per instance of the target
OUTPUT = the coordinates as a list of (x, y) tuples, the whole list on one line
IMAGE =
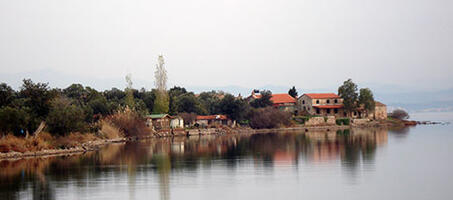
[(323, 104), (281, 101)]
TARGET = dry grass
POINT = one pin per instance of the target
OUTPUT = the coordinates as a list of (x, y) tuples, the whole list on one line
[(109, 131), (20, 144), (129, 122)]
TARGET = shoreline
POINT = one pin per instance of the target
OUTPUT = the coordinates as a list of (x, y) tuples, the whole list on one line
[(97, 144)]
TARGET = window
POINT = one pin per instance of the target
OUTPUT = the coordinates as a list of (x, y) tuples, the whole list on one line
[(344, 114), (336, 101), (335, 110), (328, 110), (317, 101), (308, 108), (317, 111), (303, 101), (328, 100), (355, 113), (304, 108)]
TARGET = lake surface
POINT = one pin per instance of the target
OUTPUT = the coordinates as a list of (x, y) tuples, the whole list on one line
[(413, 163)]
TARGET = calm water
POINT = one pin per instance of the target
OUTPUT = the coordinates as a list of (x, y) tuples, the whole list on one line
[(413, 163)]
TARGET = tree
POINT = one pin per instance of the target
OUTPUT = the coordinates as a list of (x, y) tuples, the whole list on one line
[(188, 118), (210, 101), (13, 120), (366, 99), (37, 97), (263, 101), (64, 117), (269, 117), (129, 101), (189, 103), (7, 94), (235, 109), (293, 92), (348, 91), (399, 114), (161, 103), (173, 94)]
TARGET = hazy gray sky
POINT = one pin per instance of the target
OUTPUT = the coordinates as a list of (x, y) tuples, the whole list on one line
[(307, 43)]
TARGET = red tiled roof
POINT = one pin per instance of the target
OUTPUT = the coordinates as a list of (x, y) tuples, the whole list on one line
[(322, 95), (282, 98), (329, 106), (211, 117), (377, 103)]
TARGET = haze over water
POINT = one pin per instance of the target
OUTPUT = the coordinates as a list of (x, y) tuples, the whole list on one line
[(413, 163)]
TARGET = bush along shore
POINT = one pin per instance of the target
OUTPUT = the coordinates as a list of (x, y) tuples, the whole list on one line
[(38, 120)]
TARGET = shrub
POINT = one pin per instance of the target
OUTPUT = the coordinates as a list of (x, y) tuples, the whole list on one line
[(129, 122), (64, 117), (269, 117), (13, 120), (342, 121), (399, 114), (301, 119), (109, 131)]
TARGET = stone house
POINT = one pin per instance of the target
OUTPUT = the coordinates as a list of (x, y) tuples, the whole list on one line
[(211, 120), (322, 104), (282, 101)]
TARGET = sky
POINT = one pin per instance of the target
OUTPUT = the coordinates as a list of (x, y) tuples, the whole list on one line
[(214, 43)]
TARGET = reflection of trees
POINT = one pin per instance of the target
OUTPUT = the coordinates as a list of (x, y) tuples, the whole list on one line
[(162, 156)]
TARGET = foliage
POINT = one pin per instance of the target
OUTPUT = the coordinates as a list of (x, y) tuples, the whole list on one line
[(189, 103), (37, 97), (348, 91), (293, 92), (342, 121), (210, 101), (188, 118), (129, 101), (129, 122), (366, 99), (7, 94), (263, 101), (173, 94), (65, 117), (161, 102), (269, 117), (399, 114), (235, 109), (301, 119), (13, 120)]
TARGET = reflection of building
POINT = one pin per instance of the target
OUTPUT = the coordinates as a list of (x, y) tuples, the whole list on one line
[(327, 146)]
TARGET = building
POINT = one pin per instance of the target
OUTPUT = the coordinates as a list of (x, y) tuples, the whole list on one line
[(176, 122), (282, 101), (164, 121), (213, 120), (158, 121), (380, 111), (323, 104)]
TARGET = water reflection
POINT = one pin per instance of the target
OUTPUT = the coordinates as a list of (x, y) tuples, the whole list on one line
[(37, 178)]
